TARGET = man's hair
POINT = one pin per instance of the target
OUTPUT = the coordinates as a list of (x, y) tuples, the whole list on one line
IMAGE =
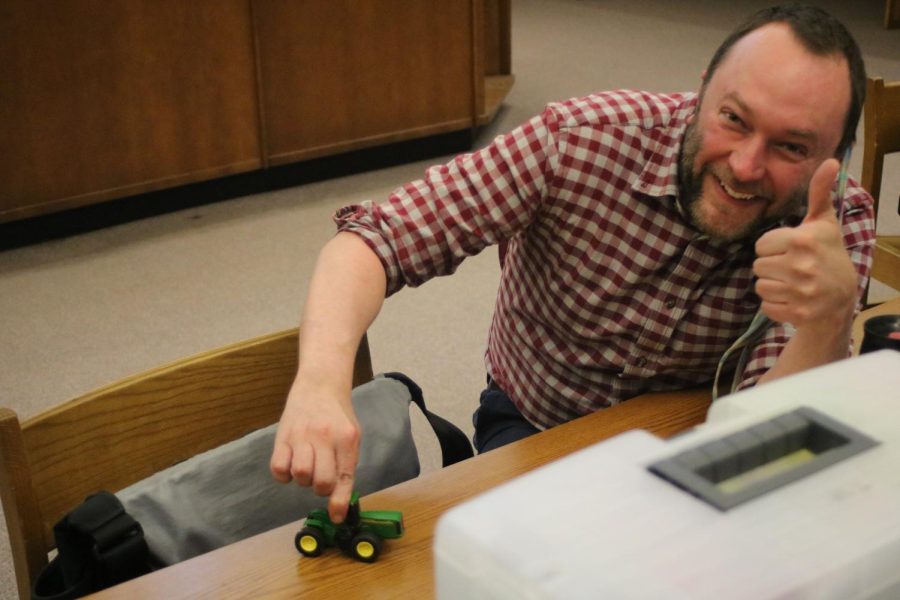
[(822, 35)]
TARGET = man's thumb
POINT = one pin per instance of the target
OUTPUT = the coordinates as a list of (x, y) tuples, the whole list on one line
[(820, 205)]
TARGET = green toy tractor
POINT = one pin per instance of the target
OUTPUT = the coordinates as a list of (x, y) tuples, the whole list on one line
[(360, 535)]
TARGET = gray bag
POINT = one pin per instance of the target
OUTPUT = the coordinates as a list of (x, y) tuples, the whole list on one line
[(227, 494)]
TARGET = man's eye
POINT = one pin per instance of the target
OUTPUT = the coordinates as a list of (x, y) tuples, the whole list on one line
[(732, 118), (797, 150)]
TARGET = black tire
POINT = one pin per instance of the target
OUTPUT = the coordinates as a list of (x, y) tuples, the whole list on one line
[(309, 541), (365, 546)]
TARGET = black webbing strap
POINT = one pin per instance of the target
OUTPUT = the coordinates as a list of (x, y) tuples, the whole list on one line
[(99, 545), (455, 446)]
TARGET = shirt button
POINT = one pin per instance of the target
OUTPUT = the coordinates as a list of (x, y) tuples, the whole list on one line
[(640, 362), (670, 303)]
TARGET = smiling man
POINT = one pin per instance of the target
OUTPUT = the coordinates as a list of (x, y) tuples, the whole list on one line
[(644, 233), (750, 164)]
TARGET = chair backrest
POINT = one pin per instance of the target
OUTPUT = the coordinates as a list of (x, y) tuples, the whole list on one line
[(882, 131), (122, 433), (882, 136)]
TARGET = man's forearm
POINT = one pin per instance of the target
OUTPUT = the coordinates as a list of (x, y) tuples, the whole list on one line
[(810, 348), (345, 295)]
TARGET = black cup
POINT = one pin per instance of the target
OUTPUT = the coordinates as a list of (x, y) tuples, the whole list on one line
[(881, 332)]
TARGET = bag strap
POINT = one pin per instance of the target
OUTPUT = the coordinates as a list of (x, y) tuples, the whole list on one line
[(455, 446), (99, 545)]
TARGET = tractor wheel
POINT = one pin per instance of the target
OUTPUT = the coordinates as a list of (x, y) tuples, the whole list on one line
[(309, 541), (366, 546)]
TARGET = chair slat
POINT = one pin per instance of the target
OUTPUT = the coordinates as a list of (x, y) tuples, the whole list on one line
[(882, 136)]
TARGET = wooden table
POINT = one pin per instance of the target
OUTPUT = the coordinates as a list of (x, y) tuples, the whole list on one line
[(268, 566)]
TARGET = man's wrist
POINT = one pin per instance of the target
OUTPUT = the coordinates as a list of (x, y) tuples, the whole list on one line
[(827, 337)]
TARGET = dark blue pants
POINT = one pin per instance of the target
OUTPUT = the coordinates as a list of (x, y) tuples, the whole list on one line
[(497, 421)]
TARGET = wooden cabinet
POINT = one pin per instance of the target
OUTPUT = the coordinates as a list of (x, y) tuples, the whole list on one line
[(106, 99), (102, 99), (345, 74), (891, 14)]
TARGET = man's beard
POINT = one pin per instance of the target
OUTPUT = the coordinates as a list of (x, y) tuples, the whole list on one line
[(690, 189)]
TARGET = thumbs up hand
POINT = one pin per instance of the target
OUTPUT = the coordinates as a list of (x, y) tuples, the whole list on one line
[(805, 276)]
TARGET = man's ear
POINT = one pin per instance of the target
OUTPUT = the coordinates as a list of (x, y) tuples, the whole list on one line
[(690, 119)]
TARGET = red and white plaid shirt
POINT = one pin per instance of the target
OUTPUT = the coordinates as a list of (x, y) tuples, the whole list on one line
[(606, 291)]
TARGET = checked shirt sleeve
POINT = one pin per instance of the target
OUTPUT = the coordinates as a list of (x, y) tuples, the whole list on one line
[(427, 227), (859, 237)]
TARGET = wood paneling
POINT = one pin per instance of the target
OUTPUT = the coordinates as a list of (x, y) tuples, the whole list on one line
[(891, 14), (497, 36), (101, 99), (341, 75)]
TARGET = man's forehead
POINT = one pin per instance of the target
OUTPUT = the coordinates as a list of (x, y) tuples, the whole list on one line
[(778, 49), (771, 69)]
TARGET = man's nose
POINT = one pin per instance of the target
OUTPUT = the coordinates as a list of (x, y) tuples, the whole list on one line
[(747, 160)]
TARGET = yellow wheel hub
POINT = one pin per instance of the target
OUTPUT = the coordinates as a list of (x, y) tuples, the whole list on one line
[(308, 543), (365, 549)]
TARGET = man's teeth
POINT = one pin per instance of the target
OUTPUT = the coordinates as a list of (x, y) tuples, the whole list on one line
[(735, 194)]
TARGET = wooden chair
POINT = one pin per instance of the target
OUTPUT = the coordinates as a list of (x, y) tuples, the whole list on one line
[(122, 433), (882, 136)]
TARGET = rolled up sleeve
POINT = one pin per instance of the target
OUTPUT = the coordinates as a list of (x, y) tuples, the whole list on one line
[(426, 228)]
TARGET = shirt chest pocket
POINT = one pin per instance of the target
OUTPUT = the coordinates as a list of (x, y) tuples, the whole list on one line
[(721, 314), (710, 324)]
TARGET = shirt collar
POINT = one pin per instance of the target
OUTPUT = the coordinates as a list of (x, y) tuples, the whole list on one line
[(660, 174)]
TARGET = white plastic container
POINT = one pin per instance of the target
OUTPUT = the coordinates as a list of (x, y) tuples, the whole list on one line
[(598, 524)]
